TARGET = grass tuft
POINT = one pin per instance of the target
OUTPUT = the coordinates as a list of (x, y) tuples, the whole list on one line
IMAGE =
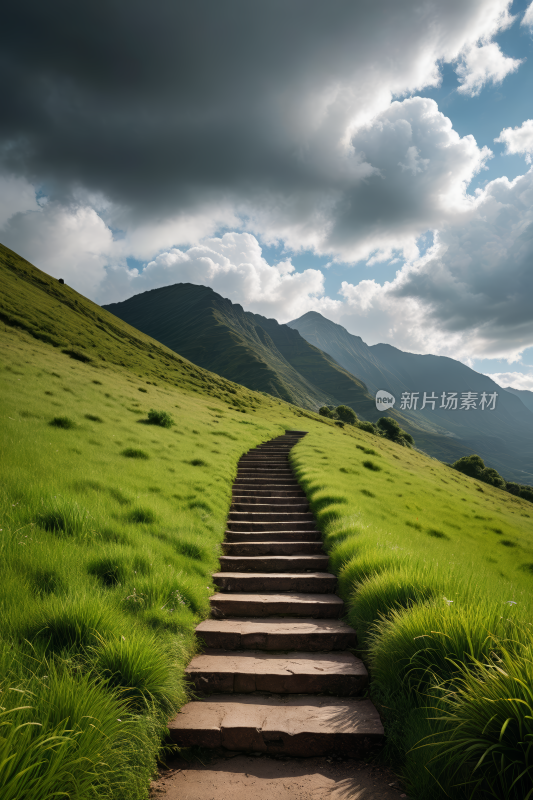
[(141, 515), (133, 452), (62, 422), (161, 418), (77, 355)]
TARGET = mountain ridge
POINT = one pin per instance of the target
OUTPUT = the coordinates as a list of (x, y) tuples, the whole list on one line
[(504, 436)]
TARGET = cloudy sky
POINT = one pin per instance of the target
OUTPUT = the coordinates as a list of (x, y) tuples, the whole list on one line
[(371, 161)]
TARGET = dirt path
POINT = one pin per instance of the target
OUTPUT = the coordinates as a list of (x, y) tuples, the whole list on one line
[(244, 777)]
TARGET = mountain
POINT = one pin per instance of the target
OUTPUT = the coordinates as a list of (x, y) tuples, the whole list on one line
[(524, 394), (257, 352), (502, 436)]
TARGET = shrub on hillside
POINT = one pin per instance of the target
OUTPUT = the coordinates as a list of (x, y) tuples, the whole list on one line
[(474, 467), (161, 418), (346, 414), (325, 412), (391, 430), (369, 427)]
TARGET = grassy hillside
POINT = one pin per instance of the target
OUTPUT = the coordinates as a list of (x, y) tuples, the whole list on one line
[(109, 532), (110, 528), (437, 572)]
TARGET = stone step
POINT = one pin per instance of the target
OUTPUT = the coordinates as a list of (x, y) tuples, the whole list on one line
[(271, 495), (270, 458), (251, 527), (272, 604), (227, 672), (300, 726), (272, 548), (266, 485), (261, 582), (261, 469), (309, 635), (253, 467), (272, 536), (296, 563), (271, 516), (263, 463), (280, 507), (272, 475)]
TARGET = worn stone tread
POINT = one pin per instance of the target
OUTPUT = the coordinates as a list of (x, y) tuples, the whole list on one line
[(301, 582), (226, 671), (272, 536), (296, 725), (269, 604), (270, 563), (273, 548), (277, 634)]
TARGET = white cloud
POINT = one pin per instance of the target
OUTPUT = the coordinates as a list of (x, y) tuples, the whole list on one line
[(233, 266), (70, 243), (484, 64), (470, 295), (517, 380), (527, 19), (406, 171), (17, 195), (518, 140)]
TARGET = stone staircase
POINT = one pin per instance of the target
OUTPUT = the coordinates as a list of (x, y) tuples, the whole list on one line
[(276, 675)]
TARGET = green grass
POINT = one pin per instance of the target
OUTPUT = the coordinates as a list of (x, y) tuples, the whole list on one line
[(437, 580), (110, 529), (106, 561)]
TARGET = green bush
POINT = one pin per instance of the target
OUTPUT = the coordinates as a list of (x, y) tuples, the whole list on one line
[(474, 467), (161, 418), (325, 412), (391, 430), (369, 427), (346, 414)]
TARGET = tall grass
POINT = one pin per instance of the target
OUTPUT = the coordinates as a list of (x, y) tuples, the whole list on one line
[(442, 612), (105, 560)]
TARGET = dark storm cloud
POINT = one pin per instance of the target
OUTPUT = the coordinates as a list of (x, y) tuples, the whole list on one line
[(163, 105)]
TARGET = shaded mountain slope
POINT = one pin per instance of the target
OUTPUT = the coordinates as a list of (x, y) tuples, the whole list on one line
[(524, 394), (503, 436), (247, 348)]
